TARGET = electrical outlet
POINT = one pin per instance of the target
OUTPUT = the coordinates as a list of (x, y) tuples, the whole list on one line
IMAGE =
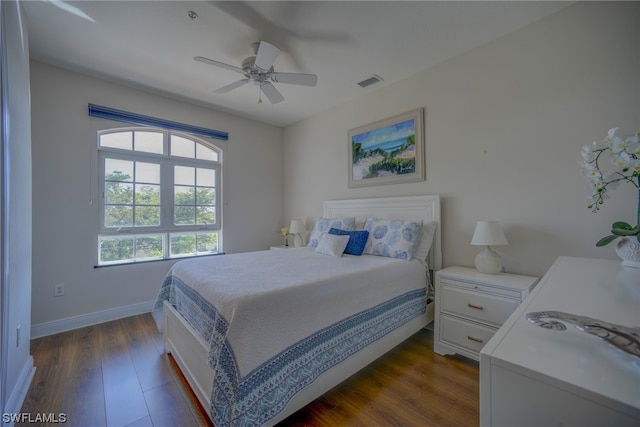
[(58, 290)]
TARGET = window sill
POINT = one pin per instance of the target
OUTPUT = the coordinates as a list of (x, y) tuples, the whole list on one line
[(154, 261)]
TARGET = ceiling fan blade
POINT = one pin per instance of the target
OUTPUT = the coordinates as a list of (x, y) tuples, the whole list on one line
[(295, 78), (266, 56), (230, 87), (218, 64), (61, 4), (271, 93)]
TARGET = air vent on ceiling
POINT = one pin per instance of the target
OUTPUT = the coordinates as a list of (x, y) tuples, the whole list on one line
[(370, 80)]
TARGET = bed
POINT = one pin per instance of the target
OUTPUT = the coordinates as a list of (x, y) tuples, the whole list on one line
[(301, 322)]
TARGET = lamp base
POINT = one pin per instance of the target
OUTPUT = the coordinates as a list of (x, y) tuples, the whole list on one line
[(297, 240), (488, 262)]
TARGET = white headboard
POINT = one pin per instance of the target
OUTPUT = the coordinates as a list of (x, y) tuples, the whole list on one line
[(413, 208)]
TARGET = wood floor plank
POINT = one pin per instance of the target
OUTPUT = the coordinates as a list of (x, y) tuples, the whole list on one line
[(83, 398), (51, 363), (152, 369), (168, 408), (124, 401), (142, 422)]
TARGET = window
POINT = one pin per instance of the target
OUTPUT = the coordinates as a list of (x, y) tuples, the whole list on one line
[(160, 196)]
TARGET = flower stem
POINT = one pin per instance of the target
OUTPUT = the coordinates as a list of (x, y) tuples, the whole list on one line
[(638, 219)]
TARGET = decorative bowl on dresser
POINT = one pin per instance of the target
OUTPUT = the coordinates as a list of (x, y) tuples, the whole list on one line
[(471, 306)]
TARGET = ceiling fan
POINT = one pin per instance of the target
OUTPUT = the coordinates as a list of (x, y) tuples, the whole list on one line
[(258, 69)]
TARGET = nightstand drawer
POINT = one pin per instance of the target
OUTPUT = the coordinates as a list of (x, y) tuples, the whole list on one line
[(468, 335), (478, 306)]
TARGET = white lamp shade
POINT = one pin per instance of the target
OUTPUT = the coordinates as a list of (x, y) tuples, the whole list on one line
[(488, 233), (296, 227)]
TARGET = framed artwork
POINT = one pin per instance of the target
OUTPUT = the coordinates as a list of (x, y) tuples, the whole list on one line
[(389, 151)]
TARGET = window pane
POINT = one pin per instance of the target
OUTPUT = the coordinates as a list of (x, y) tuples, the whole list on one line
[(207, 243), (182, 244), (184, 195), (185, 215), (121, 140), (205, 153), (148, 172), (118, 216), (147, 194), (147, 216), (184, 175), (189, 244), (182, 147), (118, 170), (148, 247), (206, 215), (149, 142), (118, 193), (112, 249), (206, 196), (206, 177), (118, 249)]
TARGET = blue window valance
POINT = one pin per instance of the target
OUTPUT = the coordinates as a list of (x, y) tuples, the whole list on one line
[(139, 119)]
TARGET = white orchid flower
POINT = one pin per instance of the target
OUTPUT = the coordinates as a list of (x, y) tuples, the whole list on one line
[(621, 160), (623, 153)]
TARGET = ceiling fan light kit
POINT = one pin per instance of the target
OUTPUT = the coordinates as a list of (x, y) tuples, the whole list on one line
[(259, 70)]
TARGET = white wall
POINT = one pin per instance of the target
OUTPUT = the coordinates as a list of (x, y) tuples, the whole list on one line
[(65, 224), (16, 367), (504, 126)]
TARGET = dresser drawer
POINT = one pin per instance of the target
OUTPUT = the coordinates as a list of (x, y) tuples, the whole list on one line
[(468, 335), (478, 306)]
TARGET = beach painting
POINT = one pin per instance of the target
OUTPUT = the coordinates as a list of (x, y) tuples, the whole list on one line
[(388, 151)]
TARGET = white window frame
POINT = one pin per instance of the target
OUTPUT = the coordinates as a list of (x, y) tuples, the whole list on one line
[(167, 163)]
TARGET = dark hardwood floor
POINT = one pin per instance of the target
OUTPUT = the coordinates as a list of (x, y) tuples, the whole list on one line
[(116, 374)]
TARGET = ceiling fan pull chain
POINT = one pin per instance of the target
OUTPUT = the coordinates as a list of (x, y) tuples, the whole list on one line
[(259, 94)]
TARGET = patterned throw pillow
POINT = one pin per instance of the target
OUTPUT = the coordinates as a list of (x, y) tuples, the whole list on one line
[(392, 238), (323, 225), (357, 240)]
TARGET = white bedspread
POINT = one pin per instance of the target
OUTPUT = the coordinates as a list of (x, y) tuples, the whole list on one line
[(295, 290)]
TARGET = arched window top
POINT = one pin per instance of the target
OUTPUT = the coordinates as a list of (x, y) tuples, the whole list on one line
[(159, 141)]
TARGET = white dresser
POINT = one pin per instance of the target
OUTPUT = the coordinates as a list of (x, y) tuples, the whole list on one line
[(532, 376)]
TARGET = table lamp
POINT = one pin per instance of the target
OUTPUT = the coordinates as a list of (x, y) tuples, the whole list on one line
[(488, 233), (297, 228)]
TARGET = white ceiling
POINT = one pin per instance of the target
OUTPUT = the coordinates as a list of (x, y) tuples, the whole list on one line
[(151, 44)]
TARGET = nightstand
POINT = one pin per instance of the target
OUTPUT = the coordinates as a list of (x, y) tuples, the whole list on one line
[(471, 306)]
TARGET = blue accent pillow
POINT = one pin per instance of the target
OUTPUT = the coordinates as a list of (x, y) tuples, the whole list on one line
[(357, 240)]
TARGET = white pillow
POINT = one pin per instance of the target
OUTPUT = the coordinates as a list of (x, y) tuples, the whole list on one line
[(425, 240), (323, 225), (332, 244)]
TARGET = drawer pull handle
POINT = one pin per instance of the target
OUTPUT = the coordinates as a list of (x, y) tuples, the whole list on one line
[(474, 339), (477, 307)]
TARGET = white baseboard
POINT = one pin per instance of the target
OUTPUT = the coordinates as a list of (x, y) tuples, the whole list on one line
[(82, 320), (19, 392)]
